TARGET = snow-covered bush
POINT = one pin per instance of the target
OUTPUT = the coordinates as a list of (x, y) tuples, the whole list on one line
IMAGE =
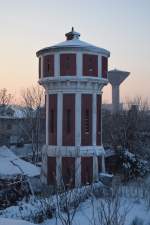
[(137, 221), (34, 211), (132, 166), (37, 210)]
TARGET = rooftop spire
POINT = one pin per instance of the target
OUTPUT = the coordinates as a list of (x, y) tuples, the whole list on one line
[(72, 34)]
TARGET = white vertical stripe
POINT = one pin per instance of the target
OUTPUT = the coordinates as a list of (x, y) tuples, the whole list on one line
[(58, 170), (95, 168), (47, 117), (77, 171), (99, 66), (79, 64), (42, 66), (100, 96), (59, 118), (78, 119), (57, 64), (94, 118)]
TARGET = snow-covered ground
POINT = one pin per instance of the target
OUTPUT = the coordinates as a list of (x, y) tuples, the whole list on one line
[(131, 203), (84, 215), (4, 221), (134, 201)]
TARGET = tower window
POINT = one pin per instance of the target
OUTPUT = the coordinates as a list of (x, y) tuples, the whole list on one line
[(87, 121), (49, 65), (90, 65), (68, 64), (52, 120), (68, 120)]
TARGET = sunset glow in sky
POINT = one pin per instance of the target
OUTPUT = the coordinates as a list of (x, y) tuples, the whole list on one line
[(121, 26)]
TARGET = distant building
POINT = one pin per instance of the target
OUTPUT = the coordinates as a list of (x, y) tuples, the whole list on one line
[(73, 74), (11, 121), (116, 77), (15, 124), (109, 107)]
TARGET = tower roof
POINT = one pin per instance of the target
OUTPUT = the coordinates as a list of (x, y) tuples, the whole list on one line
[(116, 77), (73, 41)]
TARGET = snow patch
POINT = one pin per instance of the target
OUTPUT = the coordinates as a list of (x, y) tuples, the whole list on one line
[(11, 165), (13, 222)]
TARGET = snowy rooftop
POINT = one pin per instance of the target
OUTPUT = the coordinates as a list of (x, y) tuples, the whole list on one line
[(73, 41), (11, 165), (12, 112), (18, 111)]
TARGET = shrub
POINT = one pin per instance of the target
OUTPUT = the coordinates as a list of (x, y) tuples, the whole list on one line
[(137, 221), (132, 166)]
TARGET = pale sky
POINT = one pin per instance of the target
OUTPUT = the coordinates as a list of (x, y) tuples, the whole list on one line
[(120, 26)]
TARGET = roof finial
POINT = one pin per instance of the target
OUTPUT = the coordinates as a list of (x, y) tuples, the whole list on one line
[(72, 34)]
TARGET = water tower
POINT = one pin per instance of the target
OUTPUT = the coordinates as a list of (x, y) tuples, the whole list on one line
[(116, 77), (73, 74)]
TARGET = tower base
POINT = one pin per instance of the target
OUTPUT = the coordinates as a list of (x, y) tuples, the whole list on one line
[(72, 165)]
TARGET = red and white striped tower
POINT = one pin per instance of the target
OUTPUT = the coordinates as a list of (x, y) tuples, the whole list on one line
[(73, 74)]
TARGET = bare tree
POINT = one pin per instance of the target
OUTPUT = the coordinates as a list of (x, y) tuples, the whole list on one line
[(5, 100), (68, 198), (128, 128), (5, 111), (5, 97), (33, 101), (66, 210), (109, 210)]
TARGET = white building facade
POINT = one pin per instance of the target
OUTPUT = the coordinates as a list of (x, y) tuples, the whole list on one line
[(73, 74)]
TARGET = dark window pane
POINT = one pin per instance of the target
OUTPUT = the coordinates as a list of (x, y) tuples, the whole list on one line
[(68, 120), (52, 121)]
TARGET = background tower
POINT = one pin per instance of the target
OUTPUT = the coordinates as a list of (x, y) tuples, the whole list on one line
[(73, 74), (116, 77)]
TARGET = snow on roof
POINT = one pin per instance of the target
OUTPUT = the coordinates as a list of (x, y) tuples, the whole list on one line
[(11, 165), (7, 168), (109, 152), (7, 153), (78, 44), (4, 221), (106, 175), (18, 111), (73, 41)]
